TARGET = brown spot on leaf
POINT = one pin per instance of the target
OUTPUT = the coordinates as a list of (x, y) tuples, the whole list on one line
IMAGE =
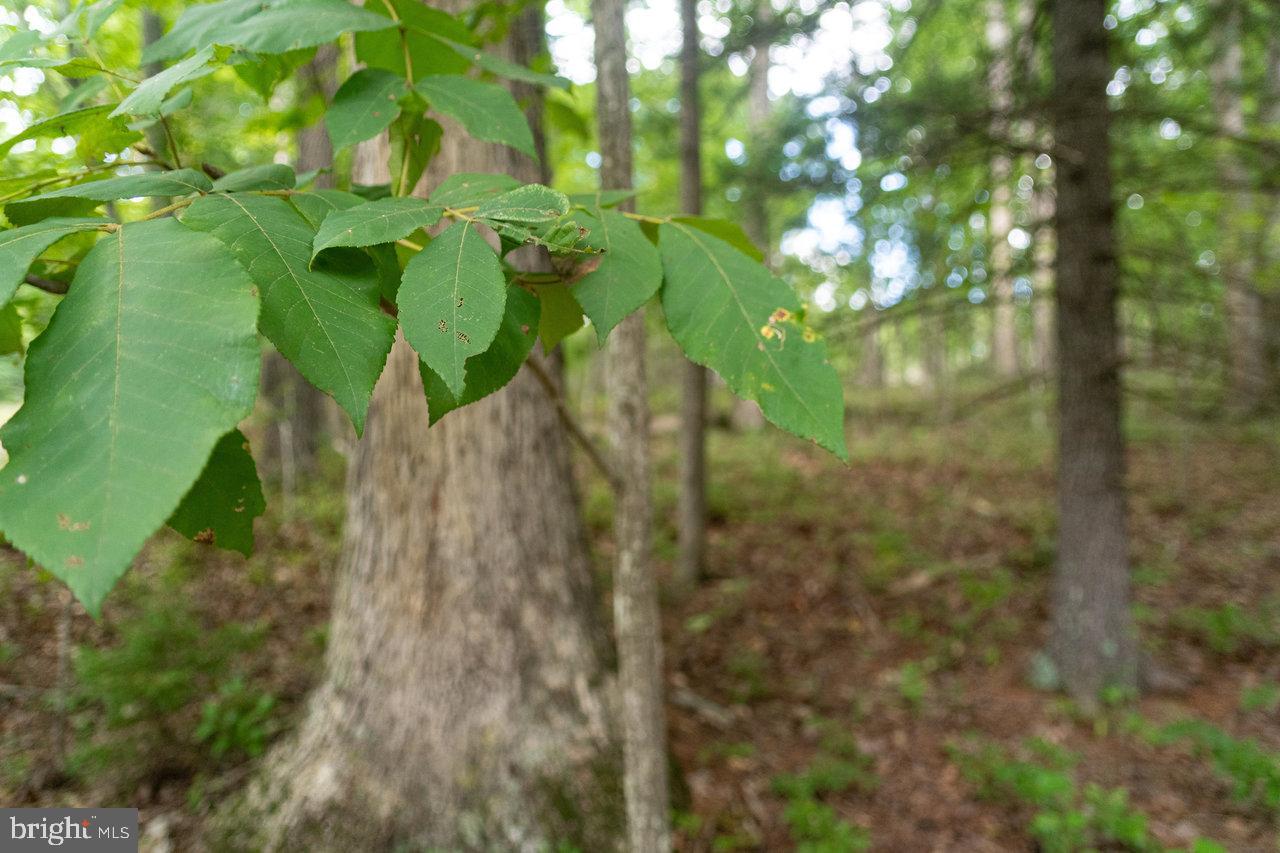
[(442, 326), (205, 537), (65, 522), (74, 562)]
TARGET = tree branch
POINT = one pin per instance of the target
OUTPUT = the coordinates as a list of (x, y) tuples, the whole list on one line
[(566, 417), (48, 285)]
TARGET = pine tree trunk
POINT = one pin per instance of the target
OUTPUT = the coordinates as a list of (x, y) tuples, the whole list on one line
[(1093, 640), (1246, 332), (1042, 204), (637, 625), (692, 504), (463, 705), (295, 413), (1004, 335)]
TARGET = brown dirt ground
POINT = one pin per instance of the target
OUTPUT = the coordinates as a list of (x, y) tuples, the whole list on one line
[(932, 547)]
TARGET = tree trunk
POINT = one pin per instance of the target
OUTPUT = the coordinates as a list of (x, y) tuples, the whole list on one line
[(637, 625), (871, 360), (1042, 204), (1093, 641), (746, 415), (1004, 334), (1246, 332), (692, 509), (294, 413), (463, 705)]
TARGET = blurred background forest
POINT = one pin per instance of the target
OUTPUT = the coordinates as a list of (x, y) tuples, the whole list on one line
[(856, 661)]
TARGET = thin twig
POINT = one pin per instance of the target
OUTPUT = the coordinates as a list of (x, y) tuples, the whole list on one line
[(571, 424)]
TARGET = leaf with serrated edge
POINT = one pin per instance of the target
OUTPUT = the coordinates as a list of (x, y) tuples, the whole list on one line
[(486, 110), (226, 498), (150, 94), (175, 183), (383, 221), (19, 247), (629, 271), (149, 360), (451, 301), (496, 366), (272, 176), (529, 203), (325, 320), (364, 106), (717, 301), (469, 189)]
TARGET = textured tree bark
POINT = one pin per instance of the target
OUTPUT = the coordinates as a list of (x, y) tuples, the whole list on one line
[(294, 411), (1092, 639), (692, 503), (1246, 331), (463, 705), (637, 625), (1004, 333)]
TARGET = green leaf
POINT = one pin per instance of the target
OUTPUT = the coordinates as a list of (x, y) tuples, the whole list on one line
[(325, 319), (10, 330), (22, 215), (375, 222), (451, 301), (316, 205), (20, 246), (149, 360), (496, 366), (498, 65), (415, 139), (264, 26), (422, 24), (561, 314), (221, 506), (719, 304), (175, 183), (487, 111), (273, 176), (470, 189), (264, 72), (729, 232), (150, 94), (628, 274), (364, 106), (71, 123), (529, 203)]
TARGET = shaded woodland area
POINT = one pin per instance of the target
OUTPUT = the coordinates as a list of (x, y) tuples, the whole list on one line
[(873, 442)]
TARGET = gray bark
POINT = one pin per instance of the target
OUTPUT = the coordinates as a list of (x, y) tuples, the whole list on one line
[(1238, 216), (637, 625), (1042, 204), (692, 508), (1093, 638), (463, 705)]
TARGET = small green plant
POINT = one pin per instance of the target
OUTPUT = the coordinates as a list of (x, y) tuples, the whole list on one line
[(138, 702), (1261, 697), (840, 766), (1067, 818), (913, 684), (1253, 771), (1231, 629), (237, 722)]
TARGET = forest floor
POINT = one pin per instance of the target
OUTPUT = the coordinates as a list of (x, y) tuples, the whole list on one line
[(860, 668)]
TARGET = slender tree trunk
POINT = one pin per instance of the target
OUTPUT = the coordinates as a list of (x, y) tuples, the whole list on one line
[(1093, 639), (871, 360), (746, 415), (463, 705), (1042, 204), (637, 625), (295, 413), (692, 509), (1004, 335), (1246, 332)]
